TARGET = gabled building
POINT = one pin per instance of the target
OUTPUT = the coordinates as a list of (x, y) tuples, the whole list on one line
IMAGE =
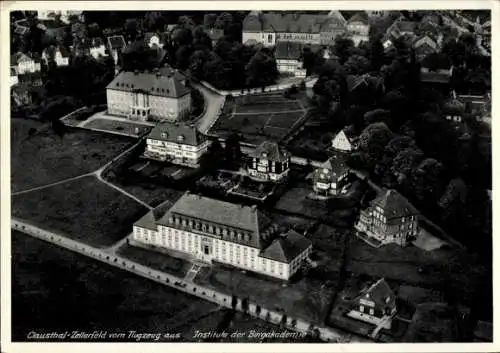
[(425, 46), (31, 79), (211, 230), (153, 40), (269, 28), (342, 142), (177, 143), (390, 218), (288, 57), (436, 69), (57, 54), (477, 106), (25, 63), (330, 177), (97, 49), (358, 27), (454, 109), (155, 96), (360, 82), (268, 162), (375, 305)]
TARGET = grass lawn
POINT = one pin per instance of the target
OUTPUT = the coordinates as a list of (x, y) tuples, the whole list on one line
[(85, 209), (44, 157), (155, 259), (57, 290), (305, 298), (117, 126), (295, 201)]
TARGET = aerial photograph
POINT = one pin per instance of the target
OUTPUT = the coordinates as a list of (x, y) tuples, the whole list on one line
[(251, 176)]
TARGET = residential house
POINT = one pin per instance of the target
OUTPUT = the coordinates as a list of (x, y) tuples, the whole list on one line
[(436, 69), (14, 79), (400, 29), (425, 46), (53, 29), (97, 49), (365, 87), (375, 305), (177, 143), (156, 96), (116, 44), (330, 177), (57, 54), (269, 28), (342, 142), (477, 106), (390, 218), (288, 57), (25, 63), (32, 79), (268, 162), (209, 230), (64, 15), (24, 94), (358, 27)]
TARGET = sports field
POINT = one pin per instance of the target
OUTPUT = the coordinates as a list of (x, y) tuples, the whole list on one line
[(260, 117)]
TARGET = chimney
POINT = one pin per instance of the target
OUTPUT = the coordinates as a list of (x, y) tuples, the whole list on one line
[(254, 208)]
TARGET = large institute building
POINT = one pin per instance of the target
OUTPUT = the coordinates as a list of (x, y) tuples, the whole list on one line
[(156, 96), (238, 235)]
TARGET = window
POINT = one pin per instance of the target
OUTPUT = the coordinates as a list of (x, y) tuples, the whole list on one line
[(371, 311), (269, 38)]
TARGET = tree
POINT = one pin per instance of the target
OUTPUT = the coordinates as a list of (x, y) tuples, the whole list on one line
[(131, 28), (154, 21), (79, 32), (342, 48), (201, 39), (376, 54), (232, 150), (261, 70), (196, 63), (182, 56), (186, 22), (404, 164), (209, 20), (94, 30), (223, 21), (357, 65), (182, 36), (391, 151), (217, 73), (378, 115), (428, 182), (372, 142)]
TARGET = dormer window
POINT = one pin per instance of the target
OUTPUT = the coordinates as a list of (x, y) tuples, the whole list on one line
[(180, 138), (247, 237), (224, 232), (264, 155), (164, 135), (239, 236), (171, 219)]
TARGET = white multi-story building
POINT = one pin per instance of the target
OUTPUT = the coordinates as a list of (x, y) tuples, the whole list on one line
[(288, 57), (25, 63), (272, 27), (212, 230), (57, 54), (155, 96), (268, 162), (177, 143)]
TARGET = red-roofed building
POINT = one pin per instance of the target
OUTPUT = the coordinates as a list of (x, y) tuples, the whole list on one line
[(390, 218), (212, 230), (375, 305)]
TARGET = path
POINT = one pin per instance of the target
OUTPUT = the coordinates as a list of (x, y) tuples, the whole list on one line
[(224, 300), (52, 184), (193, 271), (214, 103)]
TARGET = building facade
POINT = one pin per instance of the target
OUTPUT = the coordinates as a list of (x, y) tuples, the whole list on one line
[(343, 143), (14, 79), (177, 143), (212, 230), (155, 96), (25, 63), (97, 48), (288, 57), (272, 27), (330, 177), (58, 54), (358, 27), (390, 218), (375, 305), (268, 162)]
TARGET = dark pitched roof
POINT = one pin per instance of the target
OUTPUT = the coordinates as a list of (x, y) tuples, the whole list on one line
[(394, 205), (288, 51), (147, 221), (257, 21), (434, 77), (336, 164), (271, 151), (151, 83), (169, 71), (381, 294), (286, 247), (425, 40), (406, 26), (223, 213), (361, 16), (177, 132), (116, 42)]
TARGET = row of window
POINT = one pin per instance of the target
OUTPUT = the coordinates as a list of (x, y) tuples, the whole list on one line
[(222, 231)]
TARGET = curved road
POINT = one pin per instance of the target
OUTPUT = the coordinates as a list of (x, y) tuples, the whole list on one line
[(214, 103)]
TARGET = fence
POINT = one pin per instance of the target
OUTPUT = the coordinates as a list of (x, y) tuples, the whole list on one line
[(176, 282)]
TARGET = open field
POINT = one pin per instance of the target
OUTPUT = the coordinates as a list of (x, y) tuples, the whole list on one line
[(117, 126), (85, 209), (44, 157), (154, 259), (306, 298), (58, 290), (261, 117)]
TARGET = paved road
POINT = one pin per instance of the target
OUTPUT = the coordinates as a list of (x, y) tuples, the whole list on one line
[(214, 103), (103, 255)]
